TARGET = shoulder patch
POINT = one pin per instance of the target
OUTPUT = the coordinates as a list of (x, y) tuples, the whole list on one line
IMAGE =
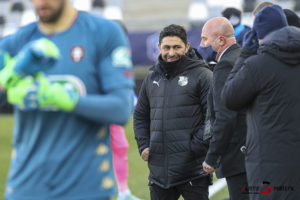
[(121, 57)]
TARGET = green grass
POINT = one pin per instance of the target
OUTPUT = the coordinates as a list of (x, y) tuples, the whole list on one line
[(138, 170), (6, 122)]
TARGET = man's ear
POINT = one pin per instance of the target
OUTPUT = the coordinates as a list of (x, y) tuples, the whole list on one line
[(158, 45), (223, 40), (187, 47)]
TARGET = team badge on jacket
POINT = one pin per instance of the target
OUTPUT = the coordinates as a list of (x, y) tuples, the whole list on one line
[(77, 53), (183, 80)]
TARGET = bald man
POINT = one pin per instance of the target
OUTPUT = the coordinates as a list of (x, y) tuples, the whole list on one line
[(229, 127)]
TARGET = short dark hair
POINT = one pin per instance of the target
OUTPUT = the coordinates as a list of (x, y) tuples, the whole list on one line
[(228, 12), (173, 30), (292, 18)]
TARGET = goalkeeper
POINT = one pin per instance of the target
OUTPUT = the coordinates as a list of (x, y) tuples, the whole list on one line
[(66, 91)]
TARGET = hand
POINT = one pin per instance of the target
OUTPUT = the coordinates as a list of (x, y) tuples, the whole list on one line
[(4, 58), (145, 154), (207, 168), (36, 56), (250, 41), (39, 93)]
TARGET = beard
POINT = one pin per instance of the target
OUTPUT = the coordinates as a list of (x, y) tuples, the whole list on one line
[(53, 15)]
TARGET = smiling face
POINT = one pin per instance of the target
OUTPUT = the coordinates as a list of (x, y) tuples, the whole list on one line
[(49, 11), (172, 48)]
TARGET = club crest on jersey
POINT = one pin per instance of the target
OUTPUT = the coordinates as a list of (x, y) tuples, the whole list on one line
[(77, 53), (183, 80), (121, 57)]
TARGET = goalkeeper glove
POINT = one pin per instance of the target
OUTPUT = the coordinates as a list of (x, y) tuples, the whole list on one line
[(4, 59), (39, 93), (36, 56)]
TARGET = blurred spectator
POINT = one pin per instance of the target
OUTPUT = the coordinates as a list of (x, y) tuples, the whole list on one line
[(17, 7), (297, 5), (235, 17), (260, 6), (2, 20), (292, 18), (98, 3)]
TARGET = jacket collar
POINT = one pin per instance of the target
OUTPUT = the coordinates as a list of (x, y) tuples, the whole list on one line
[(232, 47), (180, 66)]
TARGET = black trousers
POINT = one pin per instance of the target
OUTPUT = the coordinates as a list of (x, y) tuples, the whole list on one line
[(235, 187), (192, 190)]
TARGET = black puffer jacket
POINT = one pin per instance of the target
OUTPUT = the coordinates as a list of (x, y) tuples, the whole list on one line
[(268, 85), (169, 118)]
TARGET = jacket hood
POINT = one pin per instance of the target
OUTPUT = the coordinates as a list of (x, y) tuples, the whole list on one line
[(283, 44), (193, 53)]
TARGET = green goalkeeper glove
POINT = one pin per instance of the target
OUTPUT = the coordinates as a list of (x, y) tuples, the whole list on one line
[(38, 92), (36, 56), (4, 59)]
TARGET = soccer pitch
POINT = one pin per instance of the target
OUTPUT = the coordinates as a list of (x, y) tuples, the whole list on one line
[(138, 170)]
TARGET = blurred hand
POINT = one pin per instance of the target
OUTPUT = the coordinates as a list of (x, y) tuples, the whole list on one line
[(250, 41), (207, 168), (36, 56), (145, 154), (40, 93)]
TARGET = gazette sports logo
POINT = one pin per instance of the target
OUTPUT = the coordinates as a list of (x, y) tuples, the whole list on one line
[(266, 188)]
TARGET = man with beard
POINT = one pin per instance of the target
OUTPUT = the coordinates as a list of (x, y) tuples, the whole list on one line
[(169, 120), (61, 146)]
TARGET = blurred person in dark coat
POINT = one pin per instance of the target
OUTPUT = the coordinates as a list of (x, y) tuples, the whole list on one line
[(265, 81), (292, 18)]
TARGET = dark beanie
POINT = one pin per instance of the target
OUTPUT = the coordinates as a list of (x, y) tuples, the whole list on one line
[(292, 18), (233, 15), (269, 19)]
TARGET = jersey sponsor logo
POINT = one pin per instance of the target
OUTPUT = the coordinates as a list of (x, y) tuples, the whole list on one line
[(77, 53), (183, 81), (121, 57)]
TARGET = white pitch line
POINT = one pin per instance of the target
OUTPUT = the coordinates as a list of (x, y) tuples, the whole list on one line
[(217, 186)]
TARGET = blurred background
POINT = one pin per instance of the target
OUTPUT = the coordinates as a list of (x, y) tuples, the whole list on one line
[(144, 19)]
